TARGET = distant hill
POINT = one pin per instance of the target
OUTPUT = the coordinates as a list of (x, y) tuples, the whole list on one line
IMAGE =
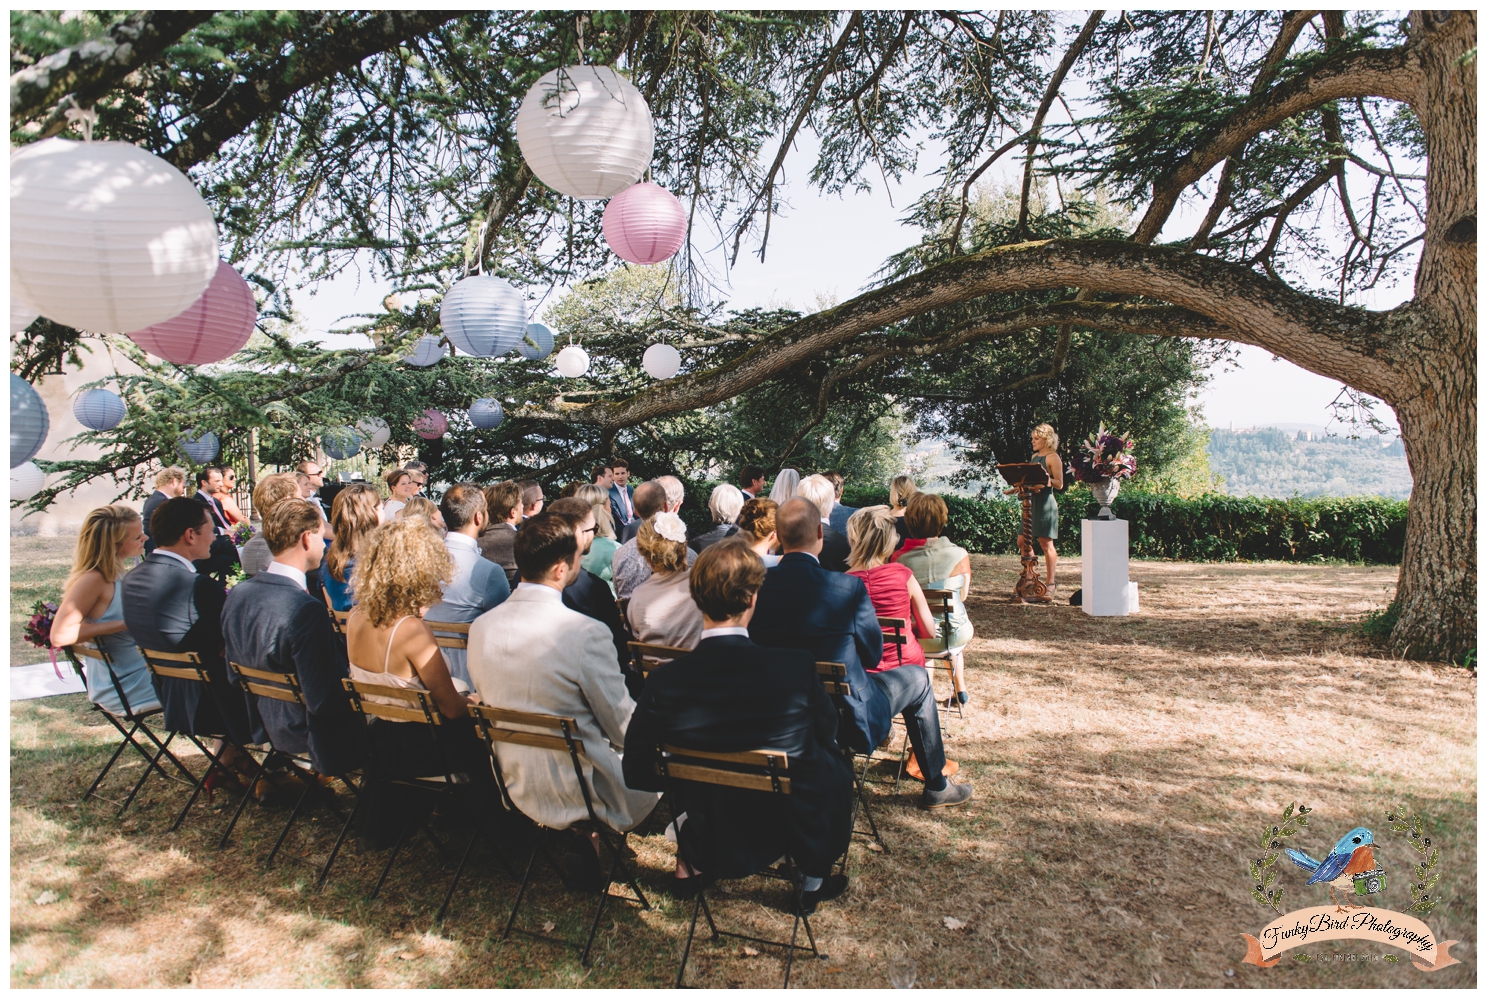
[(1272, 462)]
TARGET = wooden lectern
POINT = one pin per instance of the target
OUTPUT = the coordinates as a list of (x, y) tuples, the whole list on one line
[(1022, 477)]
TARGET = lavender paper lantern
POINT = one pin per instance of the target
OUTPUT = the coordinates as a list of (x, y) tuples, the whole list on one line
[(431, 425), (200, 448), (374, 432), (341, 443), (105, 236), (573, 361), (214, 328), (98, 409), (26, 480), (586, 132), (29, 422), (486, 414), (483, 315), (537, 343), (427, 352), (645, 224), (661, 361), (21, 315)]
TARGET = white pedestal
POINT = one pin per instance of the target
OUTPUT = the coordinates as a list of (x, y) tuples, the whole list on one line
[(1105, 569)]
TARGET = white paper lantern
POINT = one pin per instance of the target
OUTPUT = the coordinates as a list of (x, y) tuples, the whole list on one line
[(573, 361), (21, 315), (26, 480), (29, 422), (483, 315), (341, 443), (105, 236), (374, 432), (427, 352), (661, 360), (586, 132), (537, 343), (200, 448), (98, 409), (486, 414)]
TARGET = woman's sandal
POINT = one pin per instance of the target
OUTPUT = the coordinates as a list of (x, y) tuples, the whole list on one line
[(223, 779)]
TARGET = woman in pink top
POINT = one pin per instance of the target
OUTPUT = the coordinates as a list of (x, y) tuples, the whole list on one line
[(872, 533)]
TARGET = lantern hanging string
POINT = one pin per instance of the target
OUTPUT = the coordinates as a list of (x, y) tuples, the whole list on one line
[(87, 116)]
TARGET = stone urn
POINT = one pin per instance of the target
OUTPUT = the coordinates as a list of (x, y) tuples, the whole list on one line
[(1105, 492)]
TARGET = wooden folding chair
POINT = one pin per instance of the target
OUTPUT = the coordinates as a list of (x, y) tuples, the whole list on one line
[(834, 679), (559, 735), (187, 666), (338, 620), (765, 771), (645, 657), (451, 634), (285, 687), (949, 661), (92, 650)]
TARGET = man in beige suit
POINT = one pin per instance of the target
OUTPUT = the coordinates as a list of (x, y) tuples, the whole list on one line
[(531, 653)]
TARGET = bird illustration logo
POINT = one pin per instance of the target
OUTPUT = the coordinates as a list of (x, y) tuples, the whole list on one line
[(1351, 858)]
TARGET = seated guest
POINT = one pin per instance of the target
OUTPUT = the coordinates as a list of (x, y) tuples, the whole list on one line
[(169, 606), (421, 506), (271, 622), (271, 489), (587, 593), (603, 545), (531, 497), (479, 584), (834, 547), (890, 586), (603, 477), (649, 500), (630, 567), (92, 608), (900, 491), (750, 481), (318, 495), (724, 504), (784, 485), (208, 485), (226, 496), (729, 696), (503, 504), (840, 513), (661, 611), (621, 494), (804, 606), (222, 555), (353, 517), (534, 654), (756, 527), (170, 483), (938, 564), (403, 485)]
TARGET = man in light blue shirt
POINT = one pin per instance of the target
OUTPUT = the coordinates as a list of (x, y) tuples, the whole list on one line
[(479, 584)]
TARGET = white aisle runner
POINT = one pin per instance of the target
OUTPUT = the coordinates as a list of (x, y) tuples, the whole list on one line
[(41, 680)]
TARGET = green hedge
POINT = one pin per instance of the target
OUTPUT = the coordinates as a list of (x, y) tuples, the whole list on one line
[(1207, 529)]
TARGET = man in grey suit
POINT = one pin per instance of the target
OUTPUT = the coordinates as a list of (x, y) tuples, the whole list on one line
[(170, 483), (479, 584), (840, 512), (271, 622)]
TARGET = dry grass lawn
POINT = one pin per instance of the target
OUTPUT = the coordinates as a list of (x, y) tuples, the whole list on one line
[(1122, 768)]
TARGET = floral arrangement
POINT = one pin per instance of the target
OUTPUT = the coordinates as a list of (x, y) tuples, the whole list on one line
[(1102, 457), (242, 533), (236, 576), (39, 630)]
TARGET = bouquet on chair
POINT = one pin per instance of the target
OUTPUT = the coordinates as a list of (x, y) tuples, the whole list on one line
[(39, 630), (242, 533)]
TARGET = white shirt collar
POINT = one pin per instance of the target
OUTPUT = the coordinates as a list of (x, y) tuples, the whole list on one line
[(721, 632), (179, 558), (288, 572), (459, 540), (826, 521), (539, 590)]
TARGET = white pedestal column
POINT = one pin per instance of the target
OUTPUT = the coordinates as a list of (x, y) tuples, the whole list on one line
[(1105, 569)]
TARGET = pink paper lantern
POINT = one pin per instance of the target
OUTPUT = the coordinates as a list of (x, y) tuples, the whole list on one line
[(645, 224), (431, 425), (214, 328)]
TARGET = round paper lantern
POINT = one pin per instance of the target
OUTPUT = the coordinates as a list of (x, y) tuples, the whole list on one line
[(427, 352), (486, 414), (645, 224), (21, 315), (29, 422), (26, 481), (341, 443), (483, 315), (374, 431), (105, 236), (98, 409), (212, 329), (661, 360), (537, 343), (586, 132), (431, 425), (573, 361), (200, 448)]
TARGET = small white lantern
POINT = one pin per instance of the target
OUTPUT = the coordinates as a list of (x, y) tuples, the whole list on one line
[(105, 236), (586, 132), (486, 414), (573, 361), (200, 448), (483, 315), (29, 421), (374, 431), (26, 480), (427, 352), (537, 343), (661, 361), (21, 315), (98, 409)]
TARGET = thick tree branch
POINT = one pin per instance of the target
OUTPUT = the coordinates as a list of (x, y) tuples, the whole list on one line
[(1054, 83)]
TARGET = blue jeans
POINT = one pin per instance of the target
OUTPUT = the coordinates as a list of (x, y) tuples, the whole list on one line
[(910, 694)]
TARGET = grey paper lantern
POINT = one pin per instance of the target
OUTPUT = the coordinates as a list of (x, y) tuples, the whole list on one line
[(341, 443), (483, 315), (427, 352), (98, 409), (200, 448), (537, 343), (26, 481), (29, 422), (486, 414)]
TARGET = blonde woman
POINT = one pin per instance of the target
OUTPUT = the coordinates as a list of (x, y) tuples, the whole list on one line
[(600, 559), (421, 506), (353, 516), (1045, 506), (661, 610), (93, 608), (269, 493)]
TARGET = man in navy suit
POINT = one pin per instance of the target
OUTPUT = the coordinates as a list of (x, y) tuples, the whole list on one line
[(223, 554), (271, 622), (621, 496), (731, 695), (804, 606), (170, 483)]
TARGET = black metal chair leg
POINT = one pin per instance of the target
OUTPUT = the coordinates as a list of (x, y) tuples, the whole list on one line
[(113, 759), (129, 798), (293, 814), (794, 933), (393, 856), (691, 932), (453, 882), (345, 828), (598, 915), (521, 891), (201, 781), (247, 793)]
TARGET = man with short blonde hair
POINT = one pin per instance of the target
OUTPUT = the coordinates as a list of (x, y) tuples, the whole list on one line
[(170, 482)]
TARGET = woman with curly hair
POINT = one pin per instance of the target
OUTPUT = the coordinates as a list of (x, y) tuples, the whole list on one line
[(661, 610), (756, 528), (353, 516)]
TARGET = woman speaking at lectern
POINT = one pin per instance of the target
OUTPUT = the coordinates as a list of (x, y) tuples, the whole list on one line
[(1045, 506)]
